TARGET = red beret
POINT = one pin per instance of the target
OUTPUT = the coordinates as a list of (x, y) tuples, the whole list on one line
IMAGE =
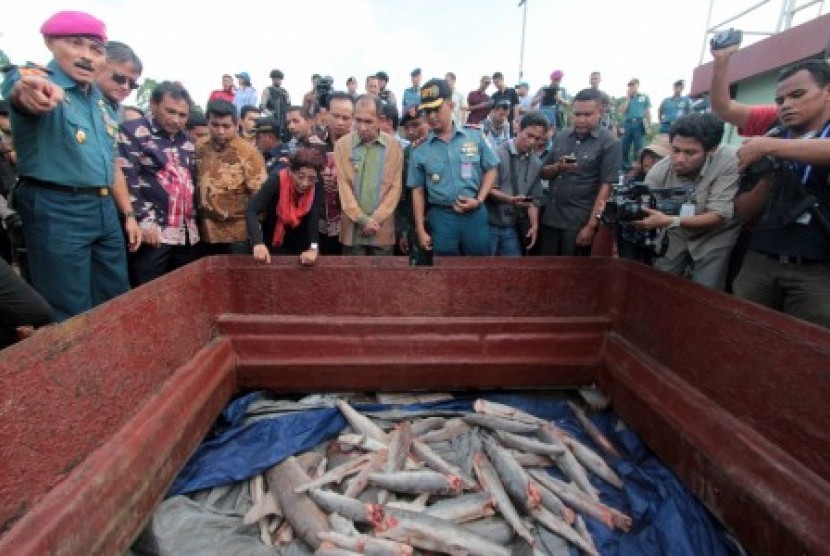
[(66, 24)]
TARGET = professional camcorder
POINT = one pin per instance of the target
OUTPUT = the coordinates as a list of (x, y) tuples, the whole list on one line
[(322, 92), (629, 200)]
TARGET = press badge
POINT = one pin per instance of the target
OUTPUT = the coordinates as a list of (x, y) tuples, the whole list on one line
[(687, 209), (466, 170)]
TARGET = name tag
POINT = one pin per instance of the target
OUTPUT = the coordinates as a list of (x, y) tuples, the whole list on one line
[(687, 209), (467, 170)]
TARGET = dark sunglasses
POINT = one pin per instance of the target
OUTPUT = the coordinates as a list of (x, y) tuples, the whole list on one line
[(122, 79)]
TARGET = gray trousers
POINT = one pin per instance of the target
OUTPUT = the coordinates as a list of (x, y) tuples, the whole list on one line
[(802, 291), (709, 270)]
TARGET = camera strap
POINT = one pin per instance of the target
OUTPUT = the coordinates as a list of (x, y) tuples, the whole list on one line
[(805, 176)]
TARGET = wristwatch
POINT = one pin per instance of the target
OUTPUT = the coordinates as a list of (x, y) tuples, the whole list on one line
[(675, 222)]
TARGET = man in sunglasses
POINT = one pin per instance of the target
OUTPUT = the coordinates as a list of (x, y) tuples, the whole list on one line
[(119, 76), (71, 191)]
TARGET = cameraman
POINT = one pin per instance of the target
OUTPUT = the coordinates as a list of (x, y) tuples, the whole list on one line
[(787, 267), (702, 236)]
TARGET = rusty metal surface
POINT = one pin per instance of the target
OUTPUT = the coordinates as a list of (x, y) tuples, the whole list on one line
[(730, 395)]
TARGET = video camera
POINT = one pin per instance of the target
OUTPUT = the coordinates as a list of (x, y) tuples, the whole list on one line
[(322, 92), (629, 200)]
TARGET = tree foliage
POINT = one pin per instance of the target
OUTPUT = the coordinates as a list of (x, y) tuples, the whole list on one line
[(142, 96)]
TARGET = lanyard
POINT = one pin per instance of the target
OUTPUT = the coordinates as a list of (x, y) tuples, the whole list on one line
[(809, 168)]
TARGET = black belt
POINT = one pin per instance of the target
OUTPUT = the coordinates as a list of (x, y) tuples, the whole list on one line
[(798, 261), (95, 191)]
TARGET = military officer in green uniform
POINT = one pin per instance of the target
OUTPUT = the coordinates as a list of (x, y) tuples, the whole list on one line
[(457, 168), (70, 189)]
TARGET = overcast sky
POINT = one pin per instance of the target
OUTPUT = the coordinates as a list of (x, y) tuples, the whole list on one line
[(658, 41)]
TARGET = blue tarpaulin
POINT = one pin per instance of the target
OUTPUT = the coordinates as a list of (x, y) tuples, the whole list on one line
[(668, 519)]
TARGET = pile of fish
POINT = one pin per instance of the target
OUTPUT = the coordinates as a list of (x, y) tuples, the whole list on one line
[(389, 492)]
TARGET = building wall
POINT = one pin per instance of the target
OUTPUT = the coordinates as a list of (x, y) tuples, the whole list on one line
[(755, 90)]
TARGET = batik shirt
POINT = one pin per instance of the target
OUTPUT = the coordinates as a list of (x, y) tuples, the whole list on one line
[(160, 171), (227, 179)]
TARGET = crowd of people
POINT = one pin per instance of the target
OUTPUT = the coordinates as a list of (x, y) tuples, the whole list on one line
[(109, 197)]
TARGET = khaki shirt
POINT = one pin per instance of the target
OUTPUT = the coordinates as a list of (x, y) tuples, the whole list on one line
[(714, 191), (227, 180)]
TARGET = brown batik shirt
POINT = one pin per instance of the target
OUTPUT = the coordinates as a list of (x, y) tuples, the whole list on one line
[(227, 180)]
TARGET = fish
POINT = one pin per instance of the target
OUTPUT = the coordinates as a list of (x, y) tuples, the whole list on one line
[(515, 479), (342, 525), (436, 462), (464, 508), (559, 527), (360, 423), (593, 462), (530, 445), (359, 483), (489, 479), (263, 505), (554, 504), (506, 412), (593, 432), (495, 529), (328, 549), (418, 482), (304, 516), (337, 474), (399, 442), (452, 429), (495, 423), (350, 508), (423, 426), (580, 501), (431, 533), (418, 504), (568, 463), (532, 460), (363, 442), (365, 544)]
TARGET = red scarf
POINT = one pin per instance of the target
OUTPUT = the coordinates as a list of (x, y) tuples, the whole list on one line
[(291, 206)]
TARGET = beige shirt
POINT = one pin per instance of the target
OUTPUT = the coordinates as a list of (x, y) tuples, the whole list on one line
[(714, 191), (226, 182), (381, 187)]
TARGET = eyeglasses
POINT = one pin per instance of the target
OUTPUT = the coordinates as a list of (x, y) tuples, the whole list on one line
[(303, 177), (122, 79)]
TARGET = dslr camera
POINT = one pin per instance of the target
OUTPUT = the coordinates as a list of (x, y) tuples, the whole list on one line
[(629, 200)]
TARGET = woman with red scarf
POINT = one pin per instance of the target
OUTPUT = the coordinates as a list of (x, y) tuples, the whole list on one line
[(295, 195)]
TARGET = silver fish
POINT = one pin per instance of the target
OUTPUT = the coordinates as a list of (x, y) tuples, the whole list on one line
[(515, 479), (436, 462), (531, 445), (337, 474), (418, 482), (461, 509), (452, 429), (568, 463), (495, 529), (304, 516), (365, 544), (489, 479), (507, 412), (359, 483), (430, 533), (593, 462), (495, 423), (593, 432), (360, 423), (357, 511), (559, 527)]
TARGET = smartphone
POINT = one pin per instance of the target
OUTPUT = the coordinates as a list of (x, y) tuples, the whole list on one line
[(725, 39)]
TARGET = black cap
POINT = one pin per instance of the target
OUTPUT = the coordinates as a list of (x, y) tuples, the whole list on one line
[(267, 124), (679, 83), (503, 103), (411, 112), (4, 107), (498, 75), (416, 71), (434, 93), (276, 74), (382, 75)]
